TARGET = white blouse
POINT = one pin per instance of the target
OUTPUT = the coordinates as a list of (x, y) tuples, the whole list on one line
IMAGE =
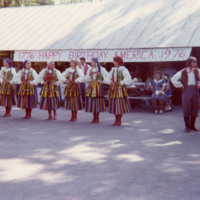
[(127, 77), (6, 70), (25, 71), (103, 72), (60, 77), (69, 71)]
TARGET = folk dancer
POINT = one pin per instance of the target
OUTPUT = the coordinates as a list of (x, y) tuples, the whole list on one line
[(119, 77), (27, 78), (50, 78), (8, 76), (187, 79), (94, 97), (73, 101)]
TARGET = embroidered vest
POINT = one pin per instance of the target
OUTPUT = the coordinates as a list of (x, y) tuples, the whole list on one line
[(7, 76), (74, 75), (50, 77), (120, 76), (184, 78), (28, 78), (98, 75)]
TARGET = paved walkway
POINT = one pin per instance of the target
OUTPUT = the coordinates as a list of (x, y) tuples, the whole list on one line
[(148, 158)]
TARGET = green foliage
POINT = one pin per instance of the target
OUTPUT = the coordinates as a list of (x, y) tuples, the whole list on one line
[(18, 3)]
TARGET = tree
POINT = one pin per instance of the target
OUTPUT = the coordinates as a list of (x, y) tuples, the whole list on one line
[(19, 3), (6, 3)]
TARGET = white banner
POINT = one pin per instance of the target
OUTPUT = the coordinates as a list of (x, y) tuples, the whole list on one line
[(129, 55)]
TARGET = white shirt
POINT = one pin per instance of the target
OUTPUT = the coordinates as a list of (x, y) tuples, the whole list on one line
[(34, 74), (83, 67), (60, 77), (6, 70), (103, 72), (69, 71), (127, 77), (191, 78)]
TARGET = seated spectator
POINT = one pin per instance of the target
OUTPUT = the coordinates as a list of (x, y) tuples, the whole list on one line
[(158, 86), (170, 70), (148, 77), (168, 93)]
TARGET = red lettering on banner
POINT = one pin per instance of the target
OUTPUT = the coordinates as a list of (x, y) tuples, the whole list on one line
[(89, 55), (46, 55), (182, 54), (128, 55), (40, 55), (151, 55), (177, 51), (83, 54), (95, 54), (59, 53), (71, 55), (142, 54), (116, 54), (78, 55), (54, 54), (50, 55), (123, 54), (136, 55), (100, 55), (105, 54)]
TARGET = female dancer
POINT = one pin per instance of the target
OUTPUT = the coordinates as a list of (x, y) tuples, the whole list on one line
[(50, 77), (27, 78), (8, 76), (119, 77), (73, 76), (94, 100)]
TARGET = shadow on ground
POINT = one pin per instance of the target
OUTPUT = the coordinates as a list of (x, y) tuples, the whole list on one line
[(149, 157)]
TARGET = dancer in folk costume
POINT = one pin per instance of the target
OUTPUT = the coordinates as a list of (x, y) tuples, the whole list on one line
[(50, 78), (73, 101), (94, 97), (27, 78), (119, 77), (8, 76), (187, 79)]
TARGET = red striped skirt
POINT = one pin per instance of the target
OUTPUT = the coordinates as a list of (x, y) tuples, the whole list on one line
[(94, 104), (27, 101), (119, 106)]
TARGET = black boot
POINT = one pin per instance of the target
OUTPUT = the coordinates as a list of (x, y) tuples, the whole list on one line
[(192, 124), (187, 124)]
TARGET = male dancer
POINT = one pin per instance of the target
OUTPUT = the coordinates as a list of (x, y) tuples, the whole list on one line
[(187, 79)]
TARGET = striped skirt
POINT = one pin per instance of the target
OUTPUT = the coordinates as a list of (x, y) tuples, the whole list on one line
[(119, 106), (27, 101), (48, 103), (8, 100), (94, 104), (73, 103)]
